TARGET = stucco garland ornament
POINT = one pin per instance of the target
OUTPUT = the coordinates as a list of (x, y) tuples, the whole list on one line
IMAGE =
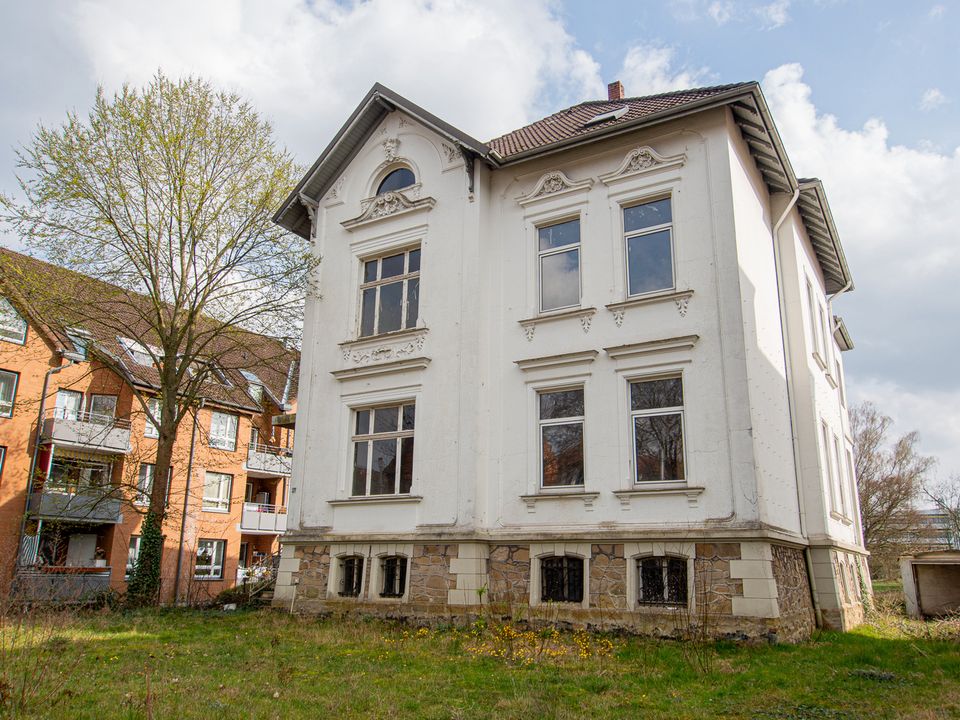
[(682, 303), (618, 317), (641, 159), (585, 321), (391, 148)]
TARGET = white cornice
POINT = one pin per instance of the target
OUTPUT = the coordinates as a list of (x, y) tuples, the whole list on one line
[(642, 160), (554, 184)]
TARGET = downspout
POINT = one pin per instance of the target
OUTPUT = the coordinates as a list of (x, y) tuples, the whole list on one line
[(186, 504), (788, 367), (36, 448), (838, 293)]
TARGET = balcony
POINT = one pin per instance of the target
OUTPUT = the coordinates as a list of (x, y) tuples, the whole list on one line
[(87, 431), (96, 505), (268, 461), (263, 519), (56, 584)]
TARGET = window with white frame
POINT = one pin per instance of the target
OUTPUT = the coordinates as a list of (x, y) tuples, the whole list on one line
[(828, 469), (396, 180), (838, 463), (561, 414), (825, 333), (840, 386), (662, 581), (133, 554), (8, 392), (13, 328), (816, 337), (216, 492), (209, 561), (69, 405), (648, 234), (351, 576), (138, 352), (151, 429), (561, 579), (851, 479), (656, 413), (223, 430), (102, 408), (558, 260), (390, 293), (383, 450), (145, 477), (393, 576), (81, 342)]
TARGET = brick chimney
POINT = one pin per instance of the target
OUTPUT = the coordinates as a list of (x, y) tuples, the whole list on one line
[(615, 90)]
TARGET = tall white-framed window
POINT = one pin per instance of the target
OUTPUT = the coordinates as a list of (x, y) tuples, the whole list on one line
[(816, 335), (69, 404), (828, 469), (151, 429), (145, 475), (558, 265), (209, 560), (223, 430), (216, 492), (840, 386), (648, 238), (8, 391), (841, 485), (656, 414), (390, 293), (825, 332), (561, 418), (383, 450), (13, 327), (133, 554)]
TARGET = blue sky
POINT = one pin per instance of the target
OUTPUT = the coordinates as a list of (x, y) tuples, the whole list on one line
[(865, 95)]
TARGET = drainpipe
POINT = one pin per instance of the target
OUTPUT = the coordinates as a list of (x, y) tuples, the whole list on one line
[(838, 293), (788, 367), (186, 504), (36, 448)]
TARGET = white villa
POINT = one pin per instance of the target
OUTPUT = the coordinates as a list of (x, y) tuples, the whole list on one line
[(589, 370)]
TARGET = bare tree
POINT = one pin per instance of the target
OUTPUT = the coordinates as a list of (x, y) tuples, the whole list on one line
[(890, 473), (945, 495), (165, 194)]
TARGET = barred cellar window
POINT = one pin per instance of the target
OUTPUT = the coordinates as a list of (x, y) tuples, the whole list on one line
[(351, 576), (561, 579), (393, 574), (663, 581)]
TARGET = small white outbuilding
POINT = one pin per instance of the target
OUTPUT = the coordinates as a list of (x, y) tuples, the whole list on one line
[(931, 583)]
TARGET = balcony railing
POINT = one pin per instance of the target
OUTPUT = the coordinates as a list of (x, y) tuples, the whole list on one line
[(57, 502), (88, 431), (268, 460), (262, 518), (56, 584)]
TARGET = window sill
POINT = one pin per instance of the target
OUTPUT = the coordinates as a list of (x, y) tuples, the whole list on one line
[(820, 361), (840, 517), (585, 315), (831, 380), (692, 493), (215, 510), (382, 336), (587, 498), (681, 298), (207, 579), (377, 500)]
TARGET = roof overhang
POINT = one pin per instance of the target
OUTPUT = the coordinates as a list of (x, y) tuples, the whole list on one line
[(841, 334), (375, 106), (818, 221)]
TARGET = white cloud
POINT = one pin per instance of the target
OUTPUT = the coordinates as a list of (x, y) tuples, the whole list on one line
[(721, 11), (897, 216), (648, 69), (775, 14), (931, 99), (486, 69), (937, 11)]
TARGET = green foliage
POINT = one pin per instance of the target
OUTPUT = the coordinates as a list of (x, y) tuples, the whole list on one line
[(144, 585)]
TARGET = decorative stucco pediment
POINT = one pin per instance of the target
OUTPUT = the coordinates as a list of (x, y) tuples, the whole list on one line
[(554, 183), (640, 160), (387, 205)]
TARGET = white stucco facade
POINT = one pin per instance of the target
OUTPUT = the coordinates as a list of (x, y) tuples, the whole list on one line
[(760, 392)]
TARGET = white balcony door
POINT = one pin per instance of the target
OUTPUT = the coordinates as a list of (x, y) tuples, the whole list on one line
[(69, 403), (81, 549), (103, 408)]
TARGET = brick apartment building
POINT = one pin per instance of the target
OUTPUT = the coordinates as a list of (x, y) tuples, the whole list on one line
[(77, 451)]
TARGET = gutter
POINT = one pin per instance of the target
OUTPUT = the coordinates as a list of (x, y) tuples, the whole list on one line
[(186, 503)]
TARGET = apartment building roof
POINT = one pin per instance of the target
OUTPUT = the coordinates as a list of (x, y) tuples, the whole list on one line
[(580, 124), (100, 312)]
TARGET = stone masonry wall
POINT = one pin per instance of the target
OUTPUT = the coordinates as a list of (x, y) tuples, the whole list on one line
[(713, 587), (509, 570), (430, 577), (793, 593), (313, 573), (608, 577)]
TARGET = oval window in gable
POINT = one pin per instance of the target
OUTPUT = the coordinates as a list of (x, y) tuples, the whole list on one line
[(397, 180)]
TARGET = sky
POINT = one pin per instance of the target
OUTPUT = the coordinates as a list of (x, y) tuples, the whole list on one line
[(865, 93)]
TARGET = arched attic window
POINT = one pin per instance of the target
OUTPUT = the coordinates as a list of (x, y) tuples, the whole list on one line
[(397, 180)]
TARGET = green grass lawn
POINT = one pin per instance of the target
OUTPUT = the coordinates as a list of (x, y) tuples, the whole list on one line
[(184, 664)]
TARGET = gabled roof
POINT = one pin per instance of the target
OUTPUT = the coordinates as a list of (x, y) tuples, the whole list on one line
[(571, 127), (94, 304), (375, 106)]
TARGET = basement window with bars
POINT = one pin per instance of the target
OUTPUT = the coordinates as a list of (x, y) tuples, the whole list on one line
[(351, 576), (561, 579), (662, 581), (393, 576)]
